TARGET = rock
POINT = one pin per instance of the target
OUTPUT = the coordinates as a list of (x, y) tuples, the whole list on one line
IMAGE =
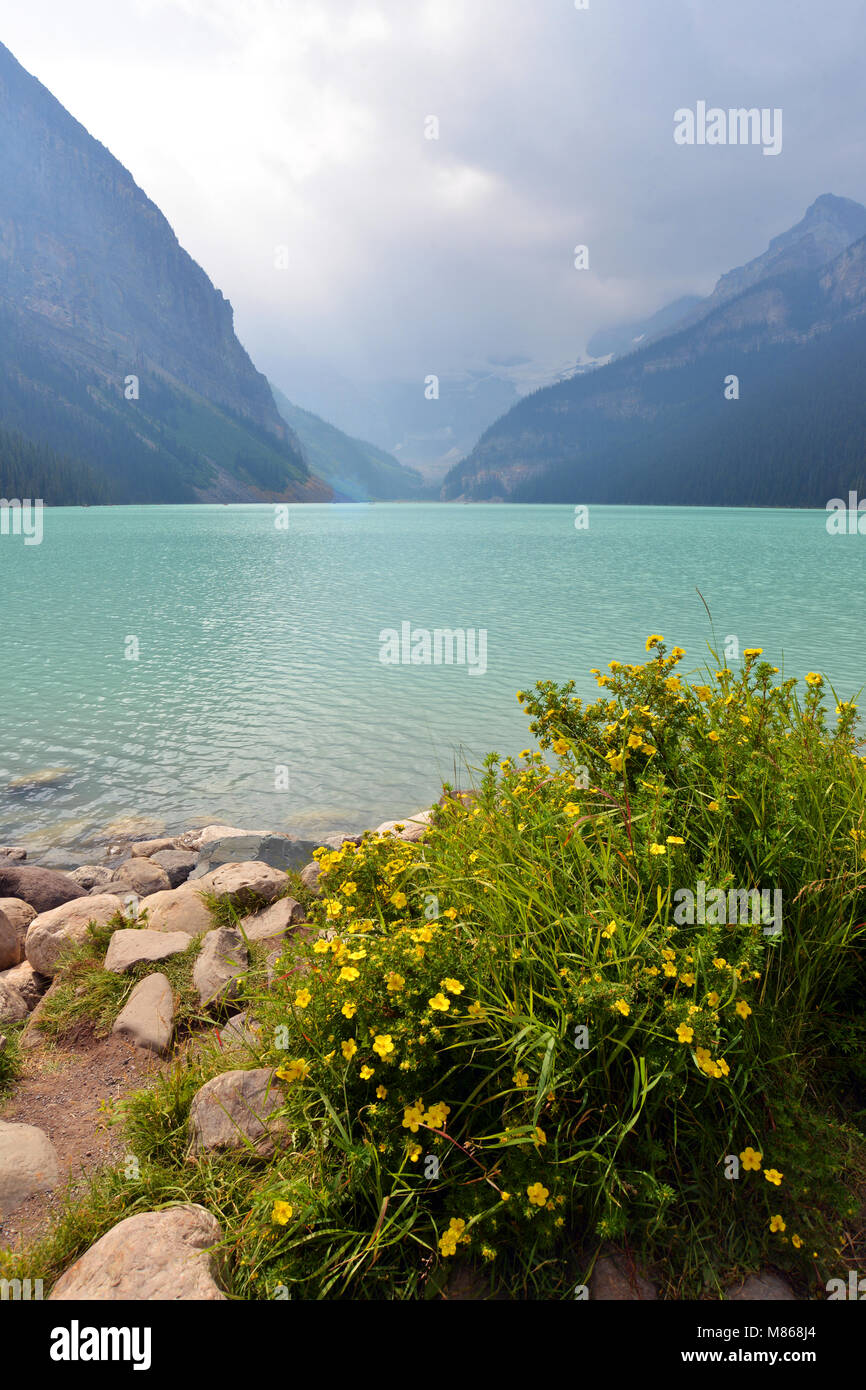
[(616, 1279), (33, 781), (278, 851), (15, 918), (243, 883), (131, 946), (10, 943), (28, 1164), (91, 876), (310, 877), (156, 1255), (18, 912), (763, 1287), (178, 864), (235, 1111), (147, 1018), (27, 981), (146, 849), (50, 932), (194, 839), (222, 959), (43, 889), (32, 1035), (2, 1042), (411, 829), (142, 876), (13, 854), (180, 909), (240, 1030), (274, 921), (12, 1006)]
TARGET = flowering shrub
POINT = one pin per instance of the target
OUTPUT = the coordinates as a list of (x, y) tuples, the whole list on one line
[(504, 1044)]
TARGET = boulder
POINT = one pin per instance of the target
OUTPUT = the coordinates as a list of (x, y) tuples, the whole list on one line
[(278, 851), (10, 943), (764, 1287), (235, 1111), (156, 1255), (13, 1007), (28, 1164), (411, 829), (274, 921), (147, 1018), (178, 864), (90, 876), (615, 1279), (180, 909), (43, 889), (194, 839), (15, 918), (240, 1031), (13, 854), (244, 883), (310, 877), (27, 981), (222, 959), (132, 946), (50, 932), (32, 1035), (146, 849), (142, 876)]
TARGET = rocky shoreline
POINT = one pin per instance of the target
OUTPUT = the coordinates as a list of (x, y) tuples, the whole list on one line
[(160, 887)]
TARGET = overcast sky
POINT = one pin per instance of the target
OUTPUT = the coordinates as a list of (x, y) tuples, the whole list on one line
[(301, 123)]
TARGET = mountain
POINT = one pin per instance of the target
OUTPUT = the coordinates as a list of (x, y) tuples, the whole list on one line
[(657, 426), (827, 228), (613, 342), (356, 470), (116, 351)]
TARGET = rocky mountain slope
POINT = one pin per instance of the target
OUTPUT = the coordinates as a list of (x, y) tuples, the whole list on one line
[(668, 424), (116, 351), (356, 470)]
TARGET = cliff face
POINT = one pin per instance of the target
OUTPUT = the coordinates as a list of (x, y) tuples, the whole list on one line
[(657, 426), (94, 287)]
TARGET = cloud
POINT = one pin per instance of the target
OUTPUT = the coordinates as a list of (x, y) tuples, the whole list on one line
[(256, 124)]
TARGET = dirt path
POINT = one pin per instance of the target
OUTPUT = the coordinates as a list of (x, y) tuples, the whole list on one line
[(63, 1090)]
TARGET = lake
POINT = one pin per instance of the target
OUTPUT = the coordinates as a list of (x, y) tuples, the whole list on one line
[(255, 694)]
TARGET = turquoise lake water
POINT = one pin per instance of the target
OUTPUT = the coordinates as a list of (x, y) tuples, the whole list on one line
[(258, 647)]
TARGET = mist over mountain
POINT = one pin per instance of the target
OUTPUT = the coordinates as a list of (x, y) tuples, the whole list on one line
[(755, 397), (117, 354)]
